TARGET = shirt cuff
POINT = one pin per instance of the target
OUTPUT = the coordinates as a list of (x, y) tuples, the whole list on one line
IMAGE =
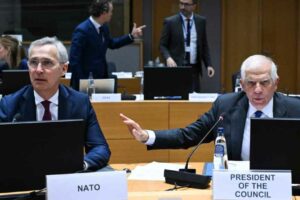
[(151, 138), (85, 165), (131, 36)]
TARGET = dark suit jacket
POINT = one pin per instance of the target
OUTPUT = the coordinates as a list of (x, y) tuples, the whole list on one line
[(234, 108), (87, 53), (172, 40), (72, 105)]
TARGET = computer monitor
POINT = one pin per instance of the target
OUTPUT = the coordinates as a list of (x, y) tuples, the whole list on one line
[(275, 145), (167, 83), (31, 150), (13, 80), (101, 85)]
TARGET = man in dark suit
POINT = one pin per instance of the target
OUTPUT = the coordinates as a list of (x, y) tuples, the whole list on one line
[(259, 81), (90, 41), (46, 99), (183, 41)]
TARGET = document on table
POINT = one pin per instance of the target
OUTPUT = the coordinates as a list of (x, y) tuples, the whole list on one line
[(153, 171)]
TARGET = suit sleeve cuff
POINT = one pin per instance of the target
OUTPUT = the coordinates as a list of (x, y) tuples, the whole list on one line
[(131, 36), (151, 138)]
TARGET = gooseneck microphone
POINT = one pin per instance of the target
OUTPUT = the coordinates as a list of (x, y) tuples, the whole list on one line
[(16, 117), (188, 177)]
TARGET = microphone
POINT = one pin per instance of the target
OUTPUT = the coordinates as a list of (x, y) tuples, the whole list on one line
[(188, 177), (16, 117)]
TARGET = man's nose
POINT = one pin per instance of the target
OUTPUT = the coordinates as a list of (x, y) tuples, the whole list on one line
[(258, 87)]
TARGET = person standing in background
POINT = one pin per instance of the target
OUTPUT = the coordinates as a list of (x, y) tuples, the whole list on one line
[(90, 41), (183, 41)]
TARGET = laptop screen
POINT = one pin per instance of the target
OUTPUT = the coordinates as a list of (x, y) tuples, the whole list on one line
[(275, 145), (31, 150), (13, 80), (167, 82)]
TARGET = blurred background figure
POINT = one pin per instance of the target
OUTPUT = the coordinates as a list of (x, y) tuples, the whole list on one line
[(12, 55)]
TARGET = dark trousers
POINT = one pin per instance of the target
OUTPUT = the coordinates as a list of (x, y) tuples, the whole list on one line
[(196, 77)]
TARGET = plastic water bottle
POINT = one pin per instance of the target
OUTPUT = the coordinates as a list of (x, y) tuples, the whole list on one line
[(91, 85), (220, 155)]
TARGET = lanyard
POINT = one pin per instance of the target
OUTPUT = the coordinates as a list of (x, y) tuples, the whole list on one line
[(185, 29)]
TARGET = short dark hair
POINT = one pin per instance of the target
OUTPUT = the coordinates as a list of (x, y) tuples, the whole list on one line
[(98, 7)]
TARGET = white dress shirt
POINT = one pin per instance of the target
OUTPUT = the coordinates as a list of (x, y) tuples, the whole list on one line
[(193, 45), (40, 110), (267, 113)]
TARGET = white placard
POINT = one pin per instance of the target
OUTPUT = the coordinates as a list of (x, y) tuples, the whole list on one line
[(271, 185), (84, 186), (68, 75), (203, 97), (123, 74), (106, 97)]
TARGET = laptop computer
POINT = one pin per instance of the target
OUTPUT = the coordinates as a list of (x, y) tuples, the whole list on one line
[(13, 80), (170, 83), (275, 145), (101, 85), (31, 150)]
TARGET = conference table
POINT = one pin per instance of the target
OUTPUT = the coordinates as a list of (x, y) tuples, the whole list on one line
[(158, 190)]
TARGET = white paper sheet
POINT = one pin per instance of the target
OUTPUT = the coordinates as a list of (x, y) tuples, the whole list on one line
[(152, 171)]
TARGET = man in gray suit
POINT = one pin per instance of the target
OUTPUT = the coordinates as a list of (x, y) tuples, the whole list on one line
[(183, 41), (259, 81)]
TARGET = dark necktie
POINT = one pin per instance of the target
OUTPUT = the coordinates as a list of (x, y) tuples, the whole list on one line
[(101, 33), (188, 40), (188, 32), (258, 114), (47, 114)]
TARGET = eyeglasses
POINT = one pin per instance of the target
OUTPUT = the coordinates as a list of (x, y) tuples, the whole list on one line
[(45, 63), (263, 83), (185, 4)]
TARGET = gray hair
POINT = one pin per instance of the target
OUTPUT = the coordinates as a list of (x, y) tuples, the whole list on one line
[(62, 53), (253, 62)]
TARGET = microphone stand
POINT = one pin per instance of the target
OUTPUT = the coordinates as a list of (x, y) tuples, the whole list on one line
[(187, 177)]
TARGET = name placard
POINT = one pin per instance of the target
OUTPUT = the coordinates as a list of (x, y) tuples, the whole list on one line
[(106, 97), (82, 186), (271, 185), (203, 97)]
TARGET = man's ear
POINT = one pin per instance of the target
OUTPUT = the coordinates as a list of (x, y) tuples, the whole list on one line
[(65, 68)]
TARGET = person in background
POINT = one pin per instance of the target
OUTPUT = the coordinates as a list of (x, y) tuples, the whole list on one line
[(259, 81), (46, 99), (90, 41), (183, 41), (12, 55)]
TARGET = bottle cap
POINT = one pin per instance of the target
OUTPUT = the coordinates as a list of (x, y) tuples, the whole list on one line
[(220, 130)]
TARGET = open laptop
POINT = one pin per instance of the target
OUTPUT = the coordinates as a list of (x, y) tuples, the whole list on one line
[(13, 80), (170, 83), (275, 145), (31, 150), (101, 85)]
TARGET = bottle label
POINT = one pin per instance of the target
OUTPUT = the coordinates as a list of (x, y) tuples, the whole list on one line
[(219, 150)]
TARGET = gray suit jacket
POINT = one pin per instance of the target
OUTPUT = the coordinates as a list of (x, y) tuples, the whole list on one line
[(234, 108), (172, 40)]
